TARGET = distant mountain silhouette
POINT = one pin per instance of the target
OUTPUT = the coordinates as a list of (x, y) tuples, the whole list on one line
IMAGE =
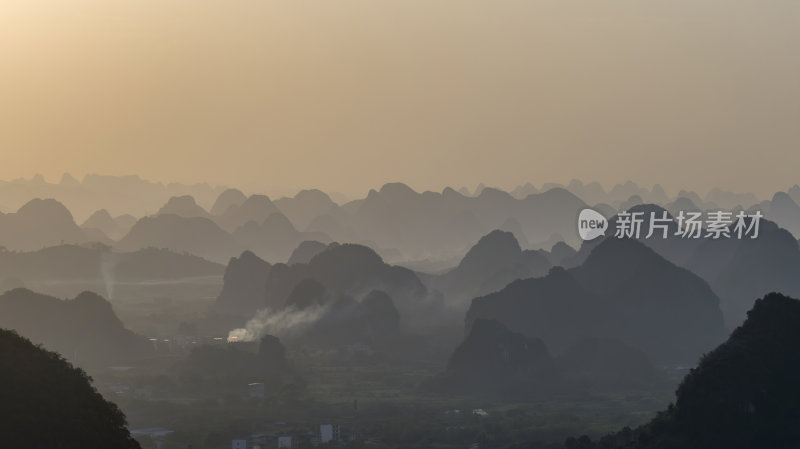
[(245, 284), (306, 251), (682, 204), (494, 262), (125, 222), (226, 199), (46, 402), (624, 290), (256, 209), (673, 248), (730, 200), (594, 193), (736, 269), (183, 206), (512, 225), (304, 207), (493, 360), (784, 211), (522, 191), (739, 270), (561, 252), (743, 394), (196, 235), (102, 220), (251, 284), (159, 264), (72, 262), (695, 199), (349, 270), (116, 194), (443, 224), (341, 273), (403, 224), (605, 209), (634, 200), (84, 329), (333, 227), (794, 193), (114, 228), (39, 223), (275, 238)]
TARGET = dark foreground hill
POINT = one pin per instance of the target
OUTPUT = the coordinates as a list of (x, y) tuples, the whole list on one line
[(85, 329), (47, 403), (744, 394)]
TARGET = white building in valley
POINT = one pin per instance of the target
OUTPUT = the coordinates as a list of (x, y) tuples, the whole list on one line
[(329, 432)]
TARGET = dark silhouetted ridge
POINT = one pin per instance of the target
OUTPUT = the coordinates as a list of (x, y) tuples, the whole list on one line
[(47, 403), (744, 394)]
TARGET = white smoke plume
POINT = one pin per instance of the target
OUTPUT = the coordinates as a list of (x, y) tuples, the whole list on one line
[(282, 323), (108, 261)]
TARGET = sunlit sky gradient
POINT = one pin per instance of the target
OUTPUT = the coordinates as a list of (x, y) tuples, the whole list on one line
[(347, 95)]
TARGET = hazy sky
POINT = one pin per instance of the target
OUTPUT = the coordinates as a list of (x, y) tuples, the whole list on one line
[(347, 95)]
